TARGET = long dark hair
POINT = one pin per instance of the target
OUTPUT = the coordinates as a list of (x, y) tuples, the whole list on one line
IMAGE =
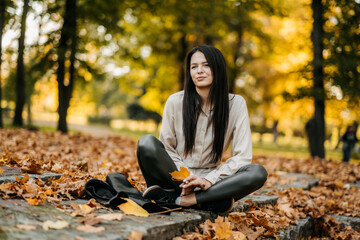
[(218, 97)]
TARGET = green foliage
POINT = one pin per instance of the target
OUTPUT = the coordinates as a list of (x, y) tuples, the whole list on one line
[(342, 46)]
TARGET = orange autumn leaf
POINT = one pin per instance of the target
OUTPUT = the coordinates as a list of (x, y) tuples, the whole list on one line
[(34, 201), (1, 170), (132, 208), (180, 175)]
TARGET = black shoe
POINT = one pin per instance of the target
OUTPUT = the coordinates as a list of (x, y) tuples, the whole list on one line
[(160, 195), (220, 206)]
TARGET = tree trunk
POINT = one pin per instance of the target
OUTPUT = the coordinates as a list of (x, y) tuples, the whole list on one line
[(316, 128), (2, 23), (20, 73), (275, 131), (235, 70), (66, 85), (181, 60)]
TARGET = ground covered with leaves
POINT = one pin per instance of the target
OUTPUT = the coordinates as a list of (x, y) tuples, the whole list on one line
[(80, 157)]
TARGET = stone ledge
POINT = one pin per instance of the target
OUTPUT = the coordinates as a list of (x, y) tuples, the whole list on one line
[(45, 176), (303, 181), (259, 200), (345, 221), (303, 230)]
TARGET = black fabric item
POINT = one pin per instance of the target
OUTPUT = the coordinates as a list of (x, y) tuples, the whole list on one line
[(117, 187), (99, 190), (159, 195), (120, 184)]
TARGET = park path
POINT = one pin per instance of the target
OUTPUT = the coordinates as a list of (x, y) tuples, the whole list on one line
[(95, 130)]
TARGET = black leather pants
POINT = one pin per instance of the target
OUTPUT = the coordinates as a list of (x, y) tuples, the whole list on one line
[(156, 164)]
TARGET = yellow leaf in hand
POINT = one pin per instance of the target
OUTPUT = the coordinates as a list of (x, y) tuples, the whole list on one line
[(180, 175), (132, 208)]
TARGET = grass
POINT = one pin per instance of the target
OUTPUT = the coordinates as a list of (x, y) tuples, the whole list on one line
[(290, 151)]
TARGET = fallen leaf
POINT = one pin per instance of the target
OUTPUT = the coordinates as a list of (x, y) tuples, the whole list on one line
[(1, 170), (132, 208), (35, 201), (89, 229), (110, 216), (26, 227), (135, 235), (25, 178), (180, 175), (83, 208), (59, 224), (90, 219), (287, 209), (222, 229), (236, 235), (79, 238)]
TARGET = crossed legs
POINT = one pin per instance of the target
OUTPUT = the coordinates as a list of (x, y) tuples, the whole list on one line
[(156, 164)]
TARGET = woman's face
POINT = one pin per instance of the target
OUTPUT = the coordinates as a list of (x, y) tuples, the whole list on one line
[(200, 71)]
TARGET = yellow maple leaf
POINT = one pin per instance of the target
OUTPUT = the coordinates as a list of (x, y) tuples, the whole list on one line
[(132, 208), (1, 170), (180, 175), (222, 229)]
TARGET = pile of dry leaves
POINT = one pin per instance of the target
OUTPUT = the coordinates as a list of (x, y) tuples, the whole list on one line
[(81, 157)]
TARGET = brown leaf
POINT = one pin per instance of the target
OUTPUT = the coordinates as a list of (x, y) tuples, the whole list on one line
[(59, 224), (26, 227), (89, 229), (135, 235), (110, 216), (90, 219), (236, 235), (132, 208), (25, 178), (180, 175)]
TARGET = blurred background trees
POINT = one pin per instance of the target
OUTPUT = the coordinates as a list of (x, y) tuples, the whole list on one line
[(104, 60)]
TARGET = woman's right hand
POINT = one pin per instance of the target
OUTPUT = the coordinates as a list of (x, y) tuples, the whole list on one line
[(193, 181)]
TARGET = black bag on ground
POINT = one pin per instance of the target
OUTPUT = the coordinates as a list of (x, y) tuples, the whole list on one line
[(117, 187)]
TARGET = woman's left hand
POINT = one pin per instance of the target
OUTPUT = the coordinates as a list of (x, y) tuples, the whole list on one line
[(192, 182)]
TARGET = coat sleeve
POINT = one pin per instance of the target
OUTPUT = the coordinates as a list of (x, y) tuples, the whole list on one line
[(168, 134)]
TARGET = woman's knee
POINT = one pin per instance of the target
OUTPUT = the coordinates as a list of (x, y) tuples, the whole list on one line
[(147, 145), (259, 174)]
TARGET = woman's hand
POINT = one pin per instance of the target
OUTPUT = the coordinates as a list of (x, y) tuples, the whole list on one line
[(193, 181)]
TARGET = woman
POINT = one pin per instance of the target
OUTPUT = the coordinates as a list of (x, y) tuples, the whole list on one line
[(198, 125)]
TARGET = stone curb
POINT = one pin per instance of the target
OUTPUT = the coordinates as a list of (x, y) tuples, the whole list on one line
[(345, 221), (303, 181), (44, 177)]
